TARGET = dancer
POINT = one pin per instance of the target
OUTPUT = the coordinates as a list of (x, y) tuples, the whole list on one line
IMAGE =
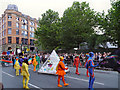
[(61, 72), (90, 65), (76, 63), (34, 63), (21, 61), (38, 61), (25, 73), (17, 66), (85, 64)]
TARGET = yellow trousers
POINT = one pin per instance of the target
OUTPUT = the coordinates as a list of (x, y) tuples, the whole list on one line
[(27, 80), (21, 71), (17, 72)]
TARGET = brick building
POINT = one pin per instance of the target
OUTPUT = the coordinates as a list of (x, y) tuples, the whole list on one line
[(0, 35), (17, 30)]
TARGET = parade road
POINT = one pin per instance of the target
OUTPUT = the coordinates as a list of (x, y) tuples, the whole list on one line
[(103, 79)]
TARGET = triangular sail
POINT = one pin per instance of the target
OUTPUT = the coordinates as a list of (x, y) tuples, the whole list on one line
[(50, 64), (49, 67)]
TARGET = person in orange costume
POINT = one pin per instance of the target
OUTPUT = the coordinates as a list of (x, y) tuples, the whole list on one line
[(76, 63), (85, 64), (34, 63), (61, 72)]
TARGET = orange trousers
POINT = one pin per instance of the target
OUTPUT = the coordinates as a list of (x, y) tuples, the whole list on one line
[(34, 68), (59, 76)]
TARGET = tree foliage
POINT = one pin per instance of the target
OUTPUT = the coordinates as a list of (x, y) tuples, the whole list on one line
[(78, 22), (113, 21), (48, 30), (77, 26), (110, 23)]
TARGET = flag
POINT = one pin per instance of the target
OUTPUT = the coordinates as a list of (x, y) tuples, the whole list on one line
[(112, 61), (6, 61), (30, 61)]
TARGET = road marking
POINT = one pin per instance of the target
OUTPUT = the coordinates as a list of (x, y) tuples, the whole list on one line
[(35, 86), (30, 68), (28, 83), (8, 74), (84, 80)]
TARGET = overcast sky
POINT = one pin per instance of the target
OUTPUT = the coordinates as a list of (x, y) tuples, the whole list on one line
[(35, 8)]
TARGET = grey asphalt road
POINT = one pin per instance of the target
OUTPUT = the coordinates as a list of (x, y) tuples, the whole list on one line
[(103, 79)]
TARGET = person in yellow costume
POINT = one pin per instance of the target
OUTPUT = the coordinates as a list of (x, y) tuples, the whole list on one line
[(17, 66), (61, 72), (34, 63), (25, 73)]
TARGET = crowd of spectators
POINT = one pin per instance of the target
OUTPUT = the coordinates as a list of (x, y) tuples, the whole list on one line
[(68, 57), (43, 57)]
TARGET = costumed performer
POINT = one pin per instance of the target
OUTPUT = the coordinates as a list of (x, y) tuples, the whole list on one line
[(38, 61), (76, 63), (90, 65), (17, 66), (61, 72), (25, 73), (85, 64), (34, 63)]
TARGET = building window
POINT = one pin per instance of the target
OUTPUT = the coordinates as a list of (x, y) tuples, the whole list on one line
[(31, 28), (26, 41), (32, 23), (22, 41), (32, 42), (3, 20), (37, 26), (24, 21), (27, 27), (9, 39), (17, 25), (24, 33), (3, 26), (3, 41), (3, 33), (17, 32), (17, 18), (9, 30), (32, 35), (9, 23), (17, 40), (24, 27), (9, 17)]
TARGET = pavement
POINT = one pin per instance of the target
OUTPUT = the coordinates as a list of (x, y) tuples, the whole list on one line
[(103, 79)]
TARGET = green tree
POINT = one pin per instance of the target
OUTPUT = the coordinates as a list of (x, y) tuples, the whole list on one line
[(110, 23), (77, 24), (47, 33), (113, 18)]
